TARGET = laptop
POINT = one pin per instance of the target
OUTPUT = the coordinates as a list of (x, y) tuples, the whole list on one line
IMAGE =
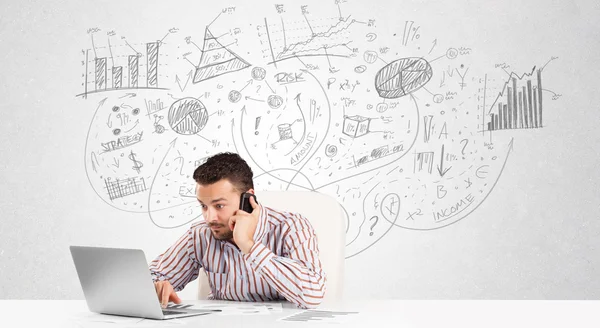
[(117, 281)]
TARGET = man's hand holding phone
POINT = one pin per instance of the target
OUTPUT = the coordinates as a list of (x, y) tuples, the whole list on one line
[(166, 293), (243, 223)]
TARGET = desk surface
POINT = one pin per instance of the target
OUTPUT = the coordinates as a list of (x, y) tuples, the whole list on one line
[(384, 313)]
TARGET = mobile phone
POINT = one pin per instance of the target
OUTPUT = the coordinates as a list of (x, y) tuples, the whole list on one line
[(245, 202)]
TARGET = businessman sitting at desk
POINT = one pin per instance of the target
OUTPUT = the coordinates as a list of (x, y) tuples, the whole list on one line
[(259, 256)]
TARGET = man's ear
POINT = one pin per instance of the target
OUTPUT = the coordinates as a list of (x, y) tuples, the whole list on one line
[(251, 191)]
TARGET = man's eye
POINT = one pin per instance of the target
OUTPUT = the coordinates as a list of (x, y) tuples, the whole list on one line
[(219, 206), (203, 206)]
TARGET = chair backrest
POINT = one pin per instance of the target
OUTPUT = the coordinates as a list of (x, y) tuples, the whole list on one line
[(327, 218)]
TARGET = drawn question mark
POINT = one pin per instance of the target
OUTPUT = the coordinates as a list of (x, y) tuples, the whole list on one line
[(319, 162), (373, 225), (257, 88), (465, 146)]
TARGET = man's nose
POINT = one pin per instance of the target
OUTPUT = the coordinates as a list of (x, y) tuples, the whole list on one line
[(211, 215)]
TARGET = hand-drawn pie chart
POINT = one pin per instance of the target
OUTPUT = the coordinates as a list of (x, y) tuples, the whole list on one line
[(402, 76), (187, 116)]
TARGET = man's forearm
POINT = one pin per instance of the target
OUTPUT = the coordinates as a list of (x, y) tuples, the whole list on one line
[(290, 277)]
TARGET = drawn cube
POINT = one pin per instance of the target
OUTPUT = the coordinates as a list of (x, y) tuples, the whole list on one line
[(356, 126)]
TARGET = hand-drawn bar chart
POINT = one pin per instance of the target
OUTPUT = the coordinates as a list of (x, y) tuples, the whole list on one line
[(106, 77), (522, 108)]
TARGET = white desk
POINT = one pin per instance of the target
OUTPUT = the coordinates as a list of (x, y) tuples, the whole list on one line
[(389, 313)]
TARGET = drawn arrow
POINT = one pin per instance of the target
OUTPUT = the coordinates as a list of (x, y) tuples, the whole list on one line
[(150, 203), (233, 134), (269, 86), (101, 103), (440, 167), (473, 209), (247, 84), (250, 98), (434, 44), (136, 123), (297, 98), (129, 94), (116, 163), (189, 76)]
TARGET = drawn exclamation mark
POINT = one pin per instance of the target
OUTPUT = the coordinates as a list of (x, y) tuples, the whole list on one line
[(408, 126), (256, 125)]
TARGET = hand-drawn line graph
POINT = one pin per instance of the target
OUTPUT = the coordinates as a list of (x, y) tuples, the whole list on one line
[(331, 42), (523, 106), (127, 68), (216, 59)]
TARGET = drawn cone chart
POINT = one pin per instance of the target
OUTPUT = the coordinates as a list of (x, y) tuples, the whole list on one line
[(216, 60), (402, 77)]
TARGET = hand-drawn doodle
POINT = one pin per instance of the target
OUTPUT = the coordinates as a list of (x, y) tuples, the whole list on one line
[(382, 107), (258, 73), (216, 60), (330, 42), (172, 200), (370, 56), (522, 112), (403, 151), (408, 30), (234, 96), (121, 188), (187, 116), (331, 150), (275, 101), (402, 77), (360, 68), (104, 71)]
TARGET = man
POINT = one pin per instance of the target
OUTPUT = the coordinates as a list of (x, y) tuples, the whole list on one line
[(259, 256)]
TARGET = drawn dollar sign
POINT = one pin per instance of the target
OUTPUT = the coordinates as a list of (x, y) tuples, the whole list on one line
[(137, 165)]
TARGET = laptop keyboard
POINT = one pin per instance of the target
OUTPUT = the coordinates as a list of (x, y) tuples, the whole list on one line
[(169, 312)]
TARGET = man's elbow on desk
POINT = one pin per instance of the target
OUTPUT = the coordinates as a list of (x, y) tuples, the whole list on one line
[(312, 299)]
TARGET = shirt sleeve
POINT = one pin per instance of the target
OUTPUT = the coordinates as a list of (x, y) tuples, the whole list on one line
[(179, 264), (297, 275)]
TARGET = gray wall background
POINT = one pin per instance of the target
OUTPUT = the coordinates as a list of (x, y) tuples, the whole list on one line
[(533, 233)]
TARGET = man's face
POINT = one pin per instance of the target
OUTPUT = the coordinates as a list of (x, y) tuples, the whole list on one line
[(218, 201)]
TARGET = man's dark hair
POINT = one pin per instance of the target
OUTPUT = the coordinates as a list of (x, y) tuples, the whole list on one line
[(228, 166)]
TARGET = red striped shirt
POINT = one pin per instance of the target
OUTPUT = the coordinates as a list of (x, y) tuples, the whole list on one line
[(283, 263)]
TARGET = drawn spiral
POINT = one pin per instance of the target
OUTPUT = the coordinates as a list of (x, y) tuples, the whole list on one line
[(330, 150)]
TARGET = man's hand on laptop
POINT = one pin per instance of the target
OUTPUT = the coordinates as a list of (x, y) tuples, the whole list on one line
[(166, 293)]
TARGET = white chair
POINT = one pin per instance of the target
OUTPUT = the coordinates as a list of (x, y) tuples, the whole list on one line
[(327, 218)]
